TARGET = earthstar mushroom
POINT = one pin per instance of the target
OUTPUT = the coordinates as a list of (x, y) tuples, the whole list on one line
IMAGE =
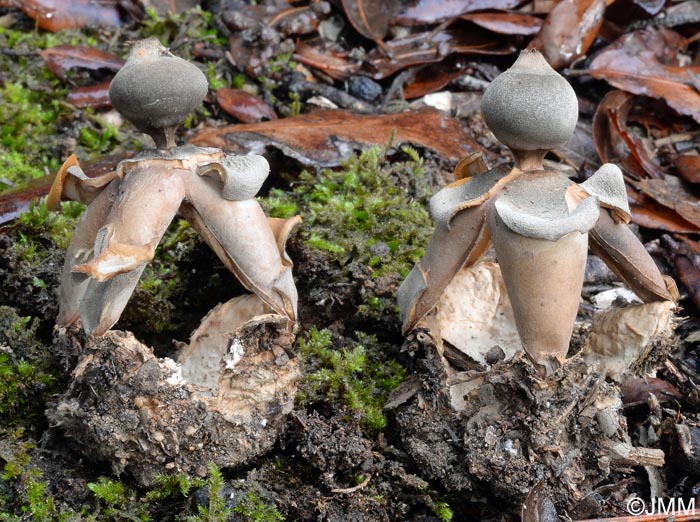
[(540, 222), (131, 208)]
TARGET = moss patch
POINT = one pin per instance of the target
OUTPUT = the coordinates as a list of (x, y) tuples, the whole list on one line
[(353, 375), (368, 222)]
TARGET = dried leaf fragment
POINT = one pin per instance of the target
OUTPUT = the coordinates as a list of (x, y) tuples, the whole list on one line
[(370, 17), (569, 31), (55, 15), (435, 11), (325, 137), (63, 58), (244, 106), (647, 62), (506, 23), (670, 192)]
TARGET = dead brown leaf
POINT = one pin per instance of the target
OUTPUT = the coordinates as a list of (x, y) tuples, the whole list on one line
[(335, 64), (324, 138), (686, 261), (435, 11), (569, 31), (538, 507), (688, 167), (580, 151), (506, 23), (244, 106), (649, 214), (672, 193), (648, 62), (636, 391), (95, 96), (17, 200), (609, 143), (370, 18), (63, 58), (55, 15), (434, 77), (399, 54)]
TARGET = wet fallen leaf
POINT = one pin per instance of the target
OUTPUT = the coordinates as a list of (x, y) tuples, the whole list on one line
[(244, 106), (434, 77), (55, 15), (538, 507), (647, 62), (17, 200), (370, 18), (325, 137), (657, 217), (671, 193), (95, 96), (609, 144), (688, 167), (399, 54), (335, 64), (63, 58), (650, 7), (569, 31), (506, 23), (649, 214), (636, 391), (543, 6), (686, 261), (434, 11)]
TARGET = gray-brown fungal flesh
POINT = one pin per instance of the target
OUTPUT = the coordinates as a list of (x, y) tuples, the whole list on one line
[(226, 398), (121, 229), (156, 90), (539, 221), (530, 106)]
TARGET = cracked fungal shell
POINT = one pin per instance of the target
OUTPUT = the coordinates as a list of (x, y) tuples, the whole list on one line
[(156, 89), (530, 106)]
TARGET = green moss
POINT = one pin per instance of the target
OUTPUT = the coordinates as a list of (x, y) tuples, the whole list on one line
[(27, 117), (40, 222), (194, 25), (98, 135), (370, 201), (252, 508), (117, 502), (443, 511), (27, 374), (35, 122), (172, 486), (357, 378), (216, 510), (31, 499)]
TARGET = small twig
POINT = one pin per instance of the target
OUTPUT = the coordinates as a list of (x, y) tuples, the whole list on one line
[(340, 98), (397, 85), (675, 138), (354, 488)]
